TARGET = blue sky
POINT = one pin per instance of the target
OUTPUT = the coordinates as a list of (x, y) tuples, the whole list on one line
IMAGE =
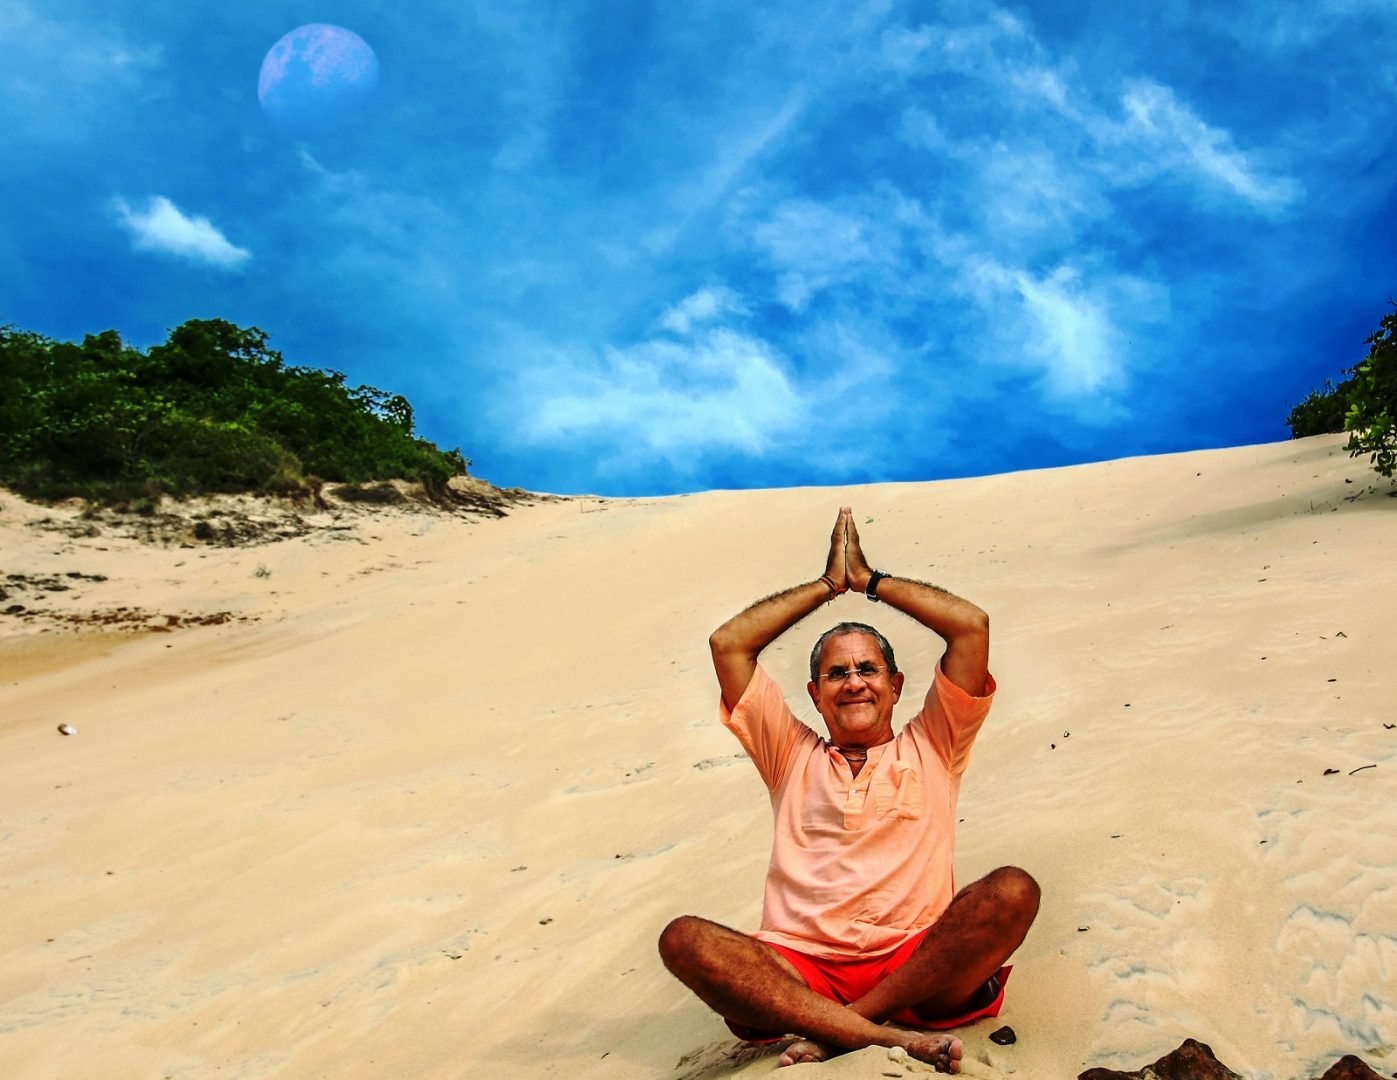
[(633, 248)]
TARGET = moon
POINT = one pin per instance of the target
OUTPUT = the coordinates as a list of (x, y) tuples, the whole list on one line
[(316, 77)]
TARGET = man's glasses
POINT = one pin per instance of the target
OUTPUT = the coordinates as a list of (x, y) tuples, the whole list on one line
[(839, 673)]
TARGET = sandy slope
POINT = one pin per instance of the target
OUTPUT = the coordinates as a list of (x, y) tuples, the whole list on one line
[(420, 807)]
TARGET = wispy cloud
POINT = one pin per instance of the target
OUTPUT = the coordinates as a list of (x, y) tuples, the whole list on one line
[(814, 245), (1076, 341), (723, 391), (1173, 136), (162, 227), (705, 305), (61, 78), (1154, 134)]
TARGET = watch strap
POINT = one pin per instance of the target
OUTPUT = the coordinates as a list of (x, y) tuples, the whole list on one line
[(871, 590)]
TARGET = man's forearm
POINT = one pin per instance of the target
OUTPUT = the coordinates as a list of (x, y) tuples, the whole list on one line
[(753, 629), (964, 627), (932, 606), (737, 643)]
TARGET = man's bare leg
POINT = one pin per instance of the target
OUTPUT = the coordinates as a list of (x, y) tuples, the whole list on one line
[(746, 982), (986, 922)]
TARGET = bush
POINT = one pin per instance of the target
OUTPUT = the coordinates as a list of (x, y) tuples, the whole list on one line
[(384, 493), (1322, 412), (186, 456), (1371, 420)]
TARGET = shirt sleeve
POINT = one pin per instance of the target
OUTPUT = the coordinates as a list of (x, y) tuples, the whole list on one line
[(765, 726), (952, 718)]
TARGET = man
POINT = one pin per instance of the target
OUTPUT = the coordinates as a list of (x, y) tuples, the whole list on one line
[(861, 922)]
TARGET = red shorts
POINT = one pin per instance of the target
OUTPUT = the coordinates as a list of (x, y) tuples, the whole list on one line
[(845, 981)]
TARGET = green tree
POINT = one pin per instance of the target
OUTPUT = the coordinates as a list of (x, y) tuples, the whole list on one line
[(214, 408), (1371, 419)]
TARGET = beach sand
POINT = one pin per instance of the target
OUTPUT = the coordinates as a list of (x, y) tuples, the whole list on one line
[(412, 795)]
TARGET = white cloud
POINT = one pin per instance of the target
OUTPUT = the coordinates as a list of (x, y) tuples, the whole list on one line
[(1073, 327), (920, 128), (163, 227), (1076, 342), (702, 306), (814, 246), (65, 81), (724, 392), (1156, 133), (964, 48), (1161, 125)]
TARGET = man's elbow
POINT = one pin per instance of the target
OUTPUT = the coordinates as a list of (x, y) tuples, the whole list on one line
[(976, 623)]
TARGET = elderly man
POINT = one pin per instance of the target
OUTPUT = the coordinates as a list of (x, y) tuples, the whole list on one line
[(861, 921)]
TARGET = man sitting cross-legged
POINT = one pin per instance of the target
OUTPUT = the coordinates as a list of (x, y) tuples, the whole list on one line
[(861, 922)]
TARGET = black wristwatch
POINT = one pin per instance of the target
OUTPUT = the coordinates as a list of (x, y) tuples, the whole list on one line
[(871, 590)]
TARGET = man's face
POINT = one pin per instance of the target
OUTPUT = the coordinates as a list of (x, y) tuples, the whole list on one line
[(858, 710)]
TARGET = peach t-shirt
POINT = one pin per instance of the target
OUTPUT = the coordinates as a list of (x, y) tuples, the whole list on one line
[(858, 864)]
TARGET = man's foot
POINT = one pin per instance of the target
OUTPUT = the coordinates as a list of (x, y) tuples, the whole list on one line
[(941, 1052), (804, 1052)]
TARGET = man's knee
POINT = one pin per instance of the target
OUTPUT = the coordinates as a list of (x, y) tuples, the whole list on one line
[(679, 941), (1015, 891)]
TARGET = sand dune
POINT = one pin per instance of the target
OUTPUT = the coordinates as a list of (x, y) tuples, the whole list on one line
[(420, 803)]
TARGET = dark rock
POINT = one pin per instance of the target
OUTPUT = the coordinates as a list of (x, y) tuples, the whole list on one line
[(1193, 1060), (1004, 1036), (1349, 1067)]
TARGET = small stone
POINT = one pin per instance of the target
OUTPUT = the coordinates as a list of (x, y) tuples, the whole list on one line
[(1193, 1060), (897, 1053), (1004, 1036), (67, 729), (1350, 1067)]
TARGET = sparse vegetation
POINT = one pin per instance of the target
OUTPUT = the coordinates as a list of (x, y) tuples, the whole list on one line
[(1371, 419), (1321, 412), (384, 493), (213, 409), (1364, 405)]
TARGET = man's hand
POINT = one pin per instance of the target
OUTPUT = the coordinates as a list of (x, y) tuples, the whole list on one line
[(836, 566), (963, 626), (857, 571), (737, 643)]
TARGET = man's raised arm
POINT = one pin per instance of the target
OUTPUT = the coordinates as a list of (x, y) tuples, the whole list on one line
[(737, 643), (965, 627)]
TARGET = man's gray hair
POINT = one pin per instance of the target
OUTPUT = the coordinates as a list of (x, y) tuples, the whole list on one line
[(884, 646)]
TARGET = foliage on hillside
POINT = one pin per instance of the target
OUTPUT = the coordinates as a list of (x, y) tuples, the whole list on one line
[(1364, 405), (1321, 412), (213, 409)]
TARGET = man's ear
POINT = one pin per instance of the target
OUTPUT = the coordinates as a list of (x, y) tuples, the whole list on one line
[(813, 688), (897, 680)]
